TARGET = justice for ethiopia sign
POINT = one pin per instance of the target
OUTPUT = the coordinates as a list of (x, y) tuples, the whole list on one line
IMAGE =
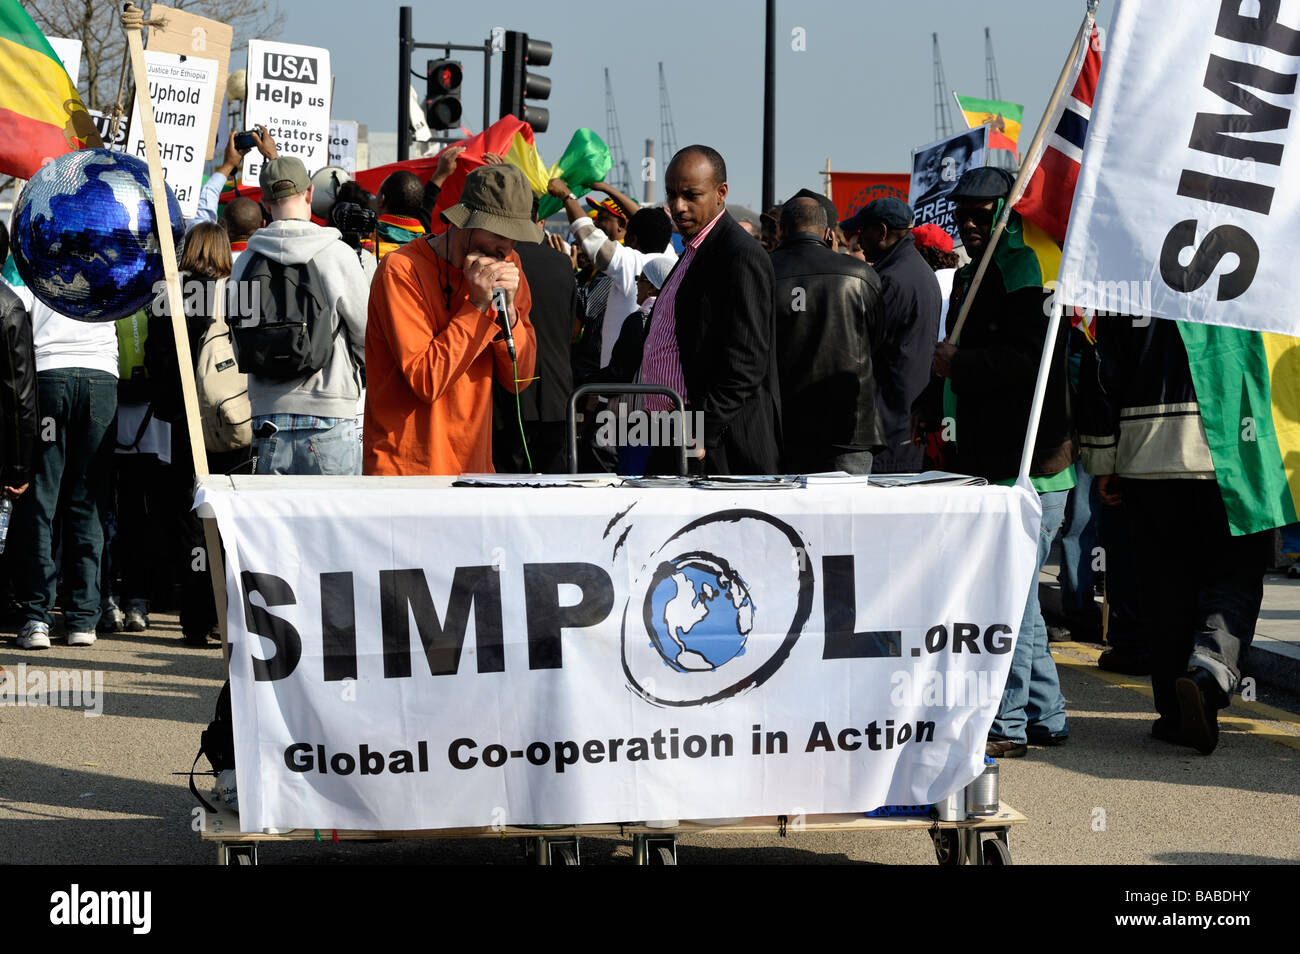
[(289, 94), (182, 90), (463, 657)]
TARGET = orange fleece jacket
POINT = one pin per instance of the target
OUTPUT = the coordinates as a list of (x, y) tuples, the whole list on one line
[(429, 368)]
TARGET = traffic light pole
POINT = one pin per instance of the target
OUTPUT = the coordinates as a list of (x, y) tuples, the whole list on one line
[(406, 46)]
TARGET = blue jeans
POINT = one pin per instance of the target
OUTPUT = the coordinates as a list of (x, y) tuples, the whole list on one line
[(335, 451), (1032, 704), (71, 466), (1079, 539)]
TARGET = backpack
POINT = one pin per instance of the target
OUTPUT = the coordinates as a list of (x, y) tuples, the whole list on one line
[(284, 328), (133, 376), (217, 743), (224, 410)]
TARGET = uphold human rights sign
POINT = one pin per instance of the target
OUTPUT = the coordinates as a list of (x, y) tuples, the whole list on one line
[(463, 657), (181, 89), (1184, 182)]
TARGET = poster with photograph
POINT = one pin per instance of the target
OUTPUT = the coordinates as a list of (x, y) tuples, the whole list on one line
[(936, 169)]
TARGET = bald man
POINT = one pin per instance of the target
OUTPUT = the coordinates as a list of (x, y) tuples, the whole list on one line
[(243, 217)]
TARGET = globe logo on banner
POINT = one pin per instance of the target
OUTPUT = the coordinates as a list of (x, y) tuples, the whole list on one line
[(699, 613), (717, 609)]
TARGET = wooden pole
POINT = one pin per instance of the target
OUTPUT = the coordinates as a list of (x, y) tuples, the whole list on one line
[(132, 21), (826, 186), (1026, 170)]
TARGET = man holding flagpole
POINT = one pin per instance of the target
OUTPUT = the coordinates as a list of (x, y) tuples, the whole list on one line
[(983, 386)]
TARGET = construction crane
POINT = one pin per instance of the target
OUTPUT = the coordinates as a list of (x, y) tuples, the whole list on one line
[(614, 139), (991, 90), (942, 114), (667, 133)]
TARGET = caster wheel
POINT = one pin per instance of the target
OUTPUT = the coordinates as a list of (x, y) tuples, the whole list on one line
[(947, 847), (995, 852)]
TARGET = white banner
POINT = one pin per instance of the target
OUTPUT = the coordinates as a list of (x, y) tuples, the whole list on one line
[(1184, 195), (289, 94), (464, 657), (935, 171), (69, 53), (182, 90), (343, 145)]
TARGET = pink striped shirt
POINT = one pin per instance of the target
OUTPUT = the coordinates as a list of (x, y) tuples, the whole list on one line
[(660, 362)]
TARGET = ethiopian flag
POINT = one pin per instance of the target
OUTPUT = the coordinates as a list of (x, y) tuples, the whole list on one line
[(1248, 389), (41, 115), (1002, 117)]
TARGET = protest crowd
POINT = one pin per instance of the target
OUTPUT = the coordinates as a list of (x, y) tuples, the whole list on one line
[(802, 344)]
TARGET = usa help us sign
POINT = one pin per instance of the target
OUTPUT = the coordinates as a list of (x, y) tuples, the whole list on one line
[(288, 93)]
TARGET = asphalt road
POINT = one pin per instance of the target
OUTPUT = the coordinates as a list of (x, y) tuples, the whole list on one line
[(113, 789)]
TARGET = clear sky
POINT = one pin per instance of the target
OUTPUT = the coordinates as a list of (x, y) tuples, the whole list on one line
[(862, 91)]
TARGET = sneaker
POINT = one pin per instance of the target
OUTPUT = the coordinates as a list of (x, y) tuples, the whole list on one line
[(137, 621), (34, 635), (81, 639), (111, 618)]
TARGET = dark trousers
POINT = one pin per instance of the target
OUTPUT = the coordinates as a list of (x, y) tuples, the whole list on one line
[(198, 607), (139, 543), (1126, 626), (548, 448), (1202, 587), (71, 473)]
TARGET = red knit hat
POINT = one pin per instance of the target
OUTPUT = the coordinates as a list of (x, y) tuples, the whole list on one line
[(932, 235)]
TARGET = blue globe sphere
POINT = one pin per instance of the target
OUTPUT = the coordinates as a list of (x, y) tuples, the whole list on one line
[(700, 612), (85, 240)]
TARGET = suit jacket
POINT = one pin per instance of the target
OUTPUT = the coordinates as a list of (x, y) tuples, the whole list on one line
[(725, 317)]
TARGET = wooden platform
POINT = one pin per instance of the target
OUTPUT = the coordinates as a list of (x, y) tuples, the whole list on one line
[(224, 827)]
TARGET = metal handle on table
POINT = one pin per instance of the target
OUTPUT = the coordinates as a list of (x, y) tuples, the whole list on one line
[(614, 389)]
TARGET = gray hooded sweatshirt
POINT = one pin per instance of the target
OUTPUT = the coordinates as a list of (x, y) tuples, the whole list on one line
[(334, 390)]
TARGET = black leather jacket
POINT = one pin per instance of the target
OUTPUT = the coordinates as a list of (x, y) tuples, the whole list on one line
[(829, 320), (17, 390)]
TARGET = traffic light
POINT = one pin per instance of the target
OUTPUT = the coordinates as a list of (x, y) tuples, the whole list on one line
[(518, 85), (442, 107)]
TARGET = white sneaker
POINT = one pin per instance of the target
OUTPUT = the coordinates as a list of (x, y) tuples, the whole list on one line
[(34, 635), (136, 621), (81, 639)]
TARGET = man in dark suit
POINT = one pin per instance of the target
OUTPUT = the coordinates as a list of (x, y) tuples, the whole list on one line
[(712, 328), (544, 405)]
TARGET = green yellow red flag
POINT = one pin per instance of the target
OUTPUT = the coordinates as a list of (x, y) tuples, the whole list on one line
[(1002, 117), (41, 115)]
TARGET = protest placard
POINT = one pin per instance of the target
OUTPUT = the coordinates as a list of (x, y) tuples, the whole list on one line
[(343, 145), (190, 35), (288, 93), (181, 89), (935, 171)]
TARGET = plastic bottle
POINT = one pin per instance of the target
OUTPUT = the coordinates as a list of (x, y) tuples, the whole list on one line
[(6, 509)]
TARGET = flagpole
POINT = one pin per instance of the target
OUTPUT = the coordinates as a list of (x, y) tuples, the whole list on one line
[(957, 99), (1040, 389), (1026, 170), (132, 23)]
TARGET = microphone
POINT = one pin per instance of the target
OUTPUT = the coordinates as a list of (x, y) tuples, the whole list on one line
[(499, 302)]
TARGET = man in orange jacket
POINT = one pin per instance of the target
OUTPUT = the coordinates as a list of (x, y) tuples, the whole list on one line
[(434, 339)]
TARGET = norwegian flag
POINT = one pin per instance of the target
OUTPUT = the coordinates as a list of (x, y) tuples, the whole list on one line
[(1047, 198)]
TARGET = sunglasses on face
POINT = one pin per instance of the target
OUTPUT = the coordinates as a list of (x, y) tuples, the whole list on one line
[(975, 216)]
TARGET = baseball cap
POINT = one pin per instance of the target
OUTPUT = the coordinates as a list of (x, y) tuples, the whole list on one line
[(610, 206), (496, 198), (888, 210), (284, 177)]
